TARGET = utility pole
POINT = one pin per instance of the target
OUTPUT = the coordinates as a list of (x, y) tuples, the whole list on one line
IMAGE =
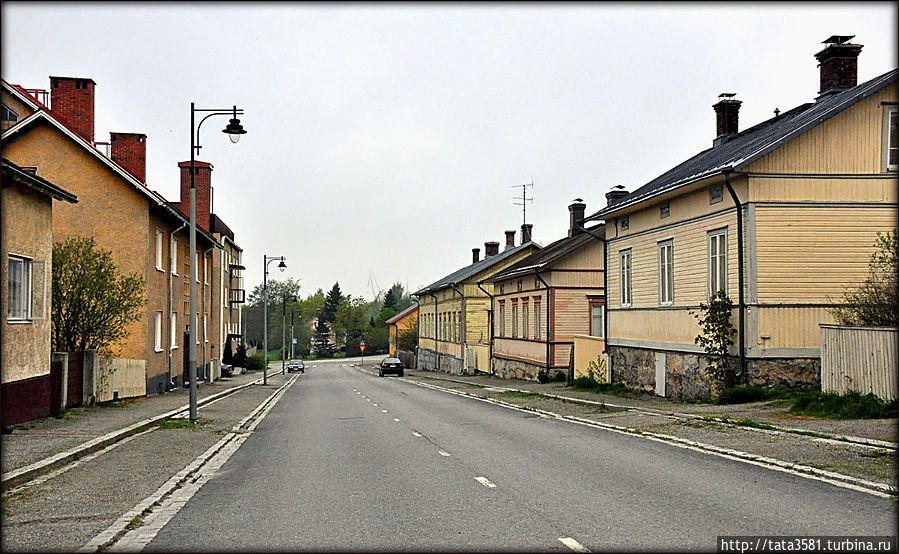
[(524, 200)]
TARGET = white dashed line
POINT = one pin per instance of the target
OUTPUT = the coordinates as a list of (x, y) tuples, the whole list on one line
[(375, 405), (573, 544), (486, 482), (443, 453), (416, 433), (396, 419), (385, 411)]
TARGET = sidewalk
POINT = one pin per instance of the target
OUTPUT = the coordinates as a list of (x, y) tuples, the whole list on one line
[(38, 446)]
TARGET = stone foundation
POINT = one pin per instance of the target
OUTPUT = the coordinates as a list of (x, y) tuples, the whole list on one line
[(513, 369), (687, 378), (429, 360)]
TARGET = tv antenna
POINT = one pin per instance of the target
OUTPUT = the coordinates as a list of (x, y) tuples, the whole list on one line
[(524, 200)]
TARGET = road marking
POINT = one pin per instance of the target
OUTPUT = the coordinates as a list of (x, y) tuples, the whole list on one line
[(385, 411), (573, 544), (375, 405), (486, 482), (444, 453), (417, 434), (396, 419)]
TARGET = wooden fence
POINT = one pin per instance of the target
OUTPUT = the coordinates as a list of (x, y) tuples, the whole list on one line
[(862, 359)]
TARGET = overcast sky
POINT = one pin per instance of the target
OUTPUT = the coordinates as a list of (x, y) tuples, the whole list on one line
[(384, 140)]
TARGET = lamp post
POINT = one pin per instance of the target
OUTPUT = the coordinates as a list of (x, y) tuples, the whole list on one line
[(233, 130), (282, 266)]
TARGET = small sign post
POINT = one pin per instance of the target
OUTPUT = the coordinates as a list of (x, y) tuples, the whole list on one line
[(362, 349)]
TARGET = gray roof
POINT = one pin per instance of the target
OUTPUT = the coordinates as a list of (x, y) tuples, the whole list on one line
[(475, 268), (746, 147), (549, 254)]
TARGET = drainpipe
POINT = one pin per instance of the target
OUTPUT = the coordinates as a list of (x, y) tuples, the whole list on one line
[(489, 326), (171, 384), (740, 301), (462, 325), (548, 319)]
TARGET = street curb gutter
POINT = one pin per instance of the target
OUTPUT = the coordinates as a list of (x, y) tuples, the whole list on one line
[(29, 472)]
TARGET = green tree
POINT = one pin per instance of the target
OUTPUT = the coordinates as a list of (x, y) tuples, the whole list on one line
[(875, 301), (332, 304), (323, 347), (407, 339), (93, 302), (393, 296), (350, 325), (716, 337)]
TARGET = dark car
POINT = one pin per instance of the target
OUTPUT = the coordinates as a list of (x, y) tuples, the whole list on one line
[(227, 370), (390, 365), (296, 365)]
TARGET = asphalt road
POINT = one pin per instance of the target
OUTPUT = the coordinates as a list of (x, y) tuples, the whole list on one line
[(350, 461)]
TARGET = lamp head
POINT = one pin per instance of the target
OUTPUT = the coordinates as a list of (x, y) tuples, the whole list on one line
[(282, 266), (234, 129)]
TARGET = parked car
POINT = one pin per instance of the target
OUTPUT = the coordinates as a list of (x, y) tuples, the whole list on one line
[(227, 370), (296, 365), (390, 365)]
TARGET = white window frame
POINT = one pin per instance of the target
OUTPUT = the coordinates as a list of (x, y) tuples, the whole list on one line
[(199, 258), (173, 330), (206, 263), (502, 319), (666, 272), (514, 320), (600, 310), (18, 305), (205, 321), (625, 259), (717, 261), (890, 113), (525, 331), (159, 261), (157, 332), (12, 117), (536, 318), (173, 256)]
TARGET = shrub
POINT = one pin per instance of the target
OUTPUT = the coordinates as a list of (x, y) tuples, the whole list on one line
[(744, 393), (874, 301), (542, 376), (589, 384), (255, 363), (852, 405)]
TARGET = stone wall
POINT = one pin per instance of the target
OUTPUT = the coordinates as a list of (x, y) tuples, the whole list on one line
[(429, 360), (687, 377), (513, 369)]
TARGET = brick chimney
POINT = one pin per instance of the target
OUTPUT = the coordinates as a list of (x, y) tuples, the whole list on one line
[(510, 239), (576, 216), (526, 233), (475, 255), (616, 194), (491, 249), (203, 184), (129, 150), (727, 117), (72, 102), (839, 64)]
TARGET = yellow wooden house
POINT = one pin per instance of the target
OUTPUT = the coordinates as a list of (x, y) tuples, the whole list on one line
[(403, 321), (541, 303), (454, 329), (781, 216)]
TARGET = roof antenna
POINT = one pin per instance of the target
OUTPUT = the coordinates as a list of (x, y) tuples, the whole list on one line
[(524, 200)]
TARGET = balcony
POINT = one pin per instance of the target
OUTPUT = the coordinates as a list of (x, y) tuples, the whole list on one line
[(237, 296)]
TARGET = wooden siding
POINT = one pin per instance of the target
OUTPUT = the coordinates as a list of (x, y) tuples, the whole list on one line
[(571, 312), (809, 254), (530, 351), (791, 327), (690, 240), (589, 350), (668, 326), (477, 322), (786, 188), (588, 256), (862, 359), (849, 142)]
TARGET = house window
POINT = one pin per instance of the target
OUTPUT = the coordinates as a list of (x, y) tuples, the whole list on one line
[(204, 329), (159, 237), (173, 330), (717, 261), (502, 288), (664, 210), (716, 194), (502, 319), (625, 256), (206, 262), (597, 314), (198, 322), (9, 115), (625, 222), (524, 321), (173, 257), (536, 319), (666, 272), (514, 319), (19, 303), (890, 144), (157, 332)]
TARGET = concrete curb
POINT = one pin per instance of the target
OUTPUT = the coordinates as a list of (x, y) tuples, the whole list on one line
[(29, 472), (873, 443)]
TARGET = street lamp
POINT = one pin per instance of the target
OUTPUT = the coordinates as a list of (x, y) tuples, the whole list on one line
[(234, 129), (282, 266)]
